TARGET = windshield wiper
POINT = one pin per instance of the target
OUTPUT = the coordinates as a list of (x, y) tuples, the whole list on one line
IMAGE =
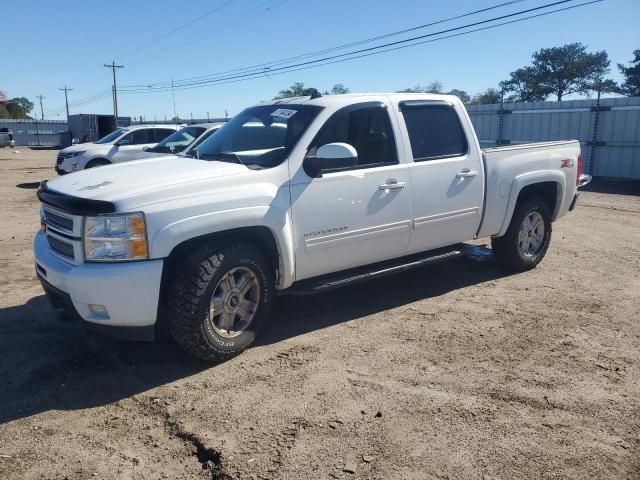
[(222, 156)]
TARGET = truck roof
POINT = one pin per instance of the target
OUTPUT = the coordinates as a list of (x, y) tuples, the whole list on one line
[(347, 98), (159, 125)]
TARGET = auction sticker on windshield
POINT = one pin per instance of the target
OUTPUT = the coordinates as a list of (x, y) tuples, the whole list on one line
[(284, 113)]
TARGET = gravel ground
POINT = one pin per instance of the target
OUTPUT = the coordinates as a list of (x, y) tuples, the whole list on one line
[(458, 371)]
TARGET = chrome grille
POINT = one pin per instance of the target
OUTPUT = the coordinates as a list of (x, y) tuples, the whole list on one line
[(58, 221), (61, 247)]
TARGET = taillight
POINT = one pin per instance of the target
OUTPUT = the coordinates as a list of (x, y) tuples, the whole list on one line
[(579, 169)]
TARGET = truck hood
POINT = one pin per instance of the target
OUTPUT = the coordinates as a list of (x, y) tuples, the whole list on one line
[(140, 181)]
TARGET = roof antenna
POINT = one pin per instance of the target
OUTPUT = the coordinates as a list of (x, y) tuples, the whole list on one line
[(315, 94)]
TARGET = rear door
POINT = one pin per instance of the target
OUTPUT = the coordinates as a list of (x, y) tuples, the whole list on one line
[(446, 174)]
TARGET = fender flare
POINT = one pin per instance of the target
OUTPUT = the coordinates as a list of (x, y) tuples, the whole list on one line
[(162, 243), (531, 178)]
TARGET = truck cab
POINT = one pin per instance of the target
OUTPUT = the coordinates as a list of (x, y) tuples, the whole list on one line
[(294, 196)]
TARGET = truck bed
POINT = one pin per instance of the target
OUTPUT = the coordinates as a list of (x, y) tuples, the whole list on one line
[(509, 168)]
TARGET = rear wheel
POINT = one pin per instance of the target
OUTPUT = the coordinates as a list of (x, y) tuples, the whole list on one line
[(527, 239), (219, 299)]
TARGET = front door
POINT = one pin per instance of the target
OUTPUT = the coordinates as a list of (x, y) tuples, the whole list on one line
[(137, 140), (363, 215)]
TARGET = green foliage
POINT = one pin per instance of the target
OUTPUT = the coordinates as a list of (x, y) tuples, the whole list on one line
[(461, 94), (339, 89), (525, 86), (631, 85), (490, 95), (24, 103), (558, 71), (433, 87), (296, 90), (16, 108)]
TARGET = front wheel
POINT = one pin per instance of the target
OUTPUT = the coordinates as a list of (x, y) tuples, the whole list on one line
[(219, 299), (527, 239)]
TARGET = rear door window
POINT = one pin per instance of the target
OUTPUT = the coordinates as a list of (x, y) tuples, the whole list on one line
[(161, 134), (434, 131), (140, 136)]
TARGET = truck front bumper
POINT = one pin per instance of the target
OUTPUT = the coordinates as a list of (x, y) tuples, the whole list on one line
[(120, 299)]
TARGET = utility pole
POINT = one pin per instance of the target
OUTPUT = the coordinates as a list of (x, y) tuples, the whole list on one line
[(40, 97), (66, 100), (114, 88), (173, 95), (207, 117)]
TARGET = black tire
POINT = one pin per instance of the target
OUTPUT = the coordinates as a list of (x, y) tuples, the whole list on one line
[(506, 249), (190, 294), (97, 162)]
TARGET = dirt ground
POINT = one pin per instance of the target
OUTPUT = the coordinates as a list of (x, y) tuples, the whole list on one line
[(455, 371)]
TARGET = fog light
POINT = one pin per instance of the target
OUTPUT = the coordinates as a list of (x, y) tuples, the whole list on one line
[(99, 311)]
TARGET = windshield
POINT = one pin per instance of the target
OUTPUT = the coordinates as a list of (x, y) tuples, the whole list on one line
[(178, 141), (112, 136), (200, 139), (259, 136)]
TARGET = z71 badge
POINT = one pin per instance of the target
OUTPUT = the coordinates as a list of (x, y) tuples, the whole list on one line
[(566, 164)]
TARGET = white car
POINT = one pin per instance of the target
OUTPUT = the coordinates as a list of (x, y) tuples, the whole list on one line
[(300, 195), (180, 142), (115, 147)]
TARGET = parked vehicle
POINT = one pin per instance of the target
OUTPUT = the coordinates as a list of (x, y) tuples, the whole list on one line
[(118, 146), (6, 137), (299, 196), (176, 143)]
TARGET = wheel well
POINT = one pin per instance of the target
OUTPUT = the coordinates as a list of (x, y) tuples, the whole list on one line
[(97, 161), (259, 236), (548, 191)]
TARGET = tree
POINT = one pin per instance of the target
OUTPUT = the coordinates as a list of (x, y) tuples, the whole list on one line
[(25, 104), (18, 107), (490, 95), (631, 85), (525, 86), (461, 94), (296, 90), (339, 89), (433, 87), (569, 69)]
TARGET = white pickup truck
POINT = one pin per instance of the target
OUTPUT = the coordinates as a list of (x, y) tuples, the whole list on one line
[(298, 195)]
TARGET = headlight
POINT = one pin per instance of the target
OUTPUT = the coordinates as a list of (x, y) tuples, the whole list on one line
[(73, 154), (115, 238)]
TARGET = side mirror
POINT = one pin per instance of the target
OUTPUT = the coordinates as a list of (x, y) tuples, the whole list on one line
[(332, 156), (122, 142)]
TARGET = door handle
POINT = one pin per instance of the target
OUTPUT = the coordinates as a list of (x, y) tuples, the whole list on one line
[(392, 185), (465, 172)]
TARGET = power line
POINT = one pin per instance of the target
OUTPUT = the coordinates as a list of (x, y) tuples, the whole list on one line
[(339, 47), (177, 29), (99, 95), (371, 50)]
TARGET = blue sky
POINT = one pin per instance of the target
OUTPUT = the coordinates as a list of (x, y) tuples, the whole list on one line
[(49, 44)]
